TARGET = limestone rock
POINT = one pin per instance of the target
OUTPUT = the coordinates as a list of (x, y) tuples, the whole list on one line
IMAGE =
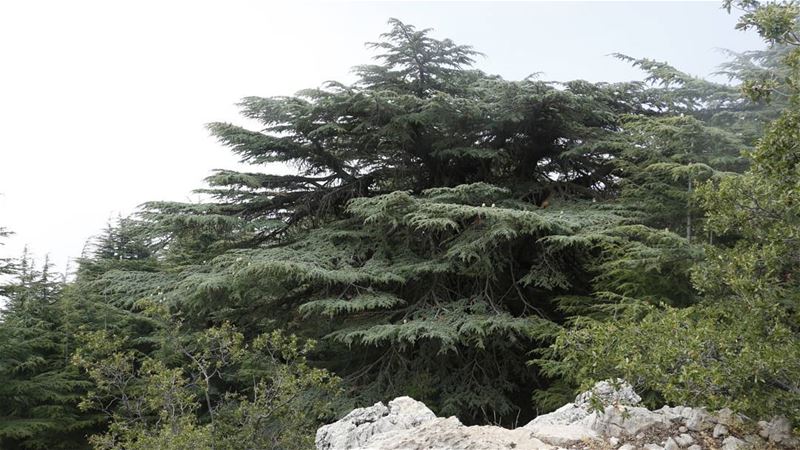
[(756, 442), (605, 393), (671, 445), (561, 435), (778, 430), (563, 426), (733, 443), (697, 419), (669, 413), (605, 417), (625, 421), (356, 428), (726, 416), (719, 430), (451, 434), (580, 421), (566, 415), (653, 447), (409, 425), (684, 440)]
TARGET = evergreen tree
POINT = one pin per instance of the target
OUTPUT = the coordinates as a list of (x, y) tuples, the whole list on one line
[(419, 219), (443, 224), (415, 218), (422, 119), (673, 92), (39, 390), (177, 397), (667, 159), (6, 266), (739, 346)]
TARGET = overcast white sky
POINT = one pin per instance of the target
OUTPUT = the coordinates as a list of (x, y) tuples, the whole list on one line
[(103, 103)]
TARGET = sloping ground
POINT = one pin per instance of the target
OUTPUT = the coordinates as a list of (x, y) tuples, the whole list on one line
[(604, 418)]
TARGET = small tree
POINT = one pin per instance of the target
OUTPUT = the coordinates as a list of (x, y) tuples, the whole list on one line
[(180, 399), (39, 391)]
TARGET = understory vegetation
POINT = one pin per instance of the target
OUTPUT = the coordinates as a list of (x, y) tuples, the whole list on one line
[(489, 247)]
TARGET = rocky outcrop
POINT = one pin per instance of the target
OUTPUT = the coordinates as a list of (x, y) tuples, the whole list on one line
[(408, 424), (606, 417), (356, 429)]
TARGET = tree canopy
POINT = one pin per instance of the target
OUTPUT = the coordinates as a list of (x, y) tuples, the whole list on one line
[(487, 246)]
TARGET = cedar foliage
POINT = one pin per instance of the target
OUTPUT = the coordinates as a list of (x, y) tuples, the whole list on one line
[(416, 240), (444, 227), (40, 390), (739, 346)]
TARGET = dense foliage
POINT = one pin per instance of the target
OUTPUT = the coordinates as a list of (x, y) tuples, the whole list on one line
[(40, 389), (484, 245), (740, 345)]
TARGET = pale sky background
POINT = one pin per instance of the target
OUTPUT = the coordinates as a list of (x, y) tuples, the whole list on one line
[(103, 104)]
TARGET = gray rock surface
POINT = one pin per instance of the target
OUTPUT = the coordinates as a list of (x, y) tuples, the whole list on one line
[(684, 440), (409, 425), (671, 444), (733, 443), (698, 419), (606, 417), (582, 421), (563, 426), (719, 430), (609, 392), (727, 417), (562, 435), (451, 434), (357, 428), (624, 421), (777, 430)]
